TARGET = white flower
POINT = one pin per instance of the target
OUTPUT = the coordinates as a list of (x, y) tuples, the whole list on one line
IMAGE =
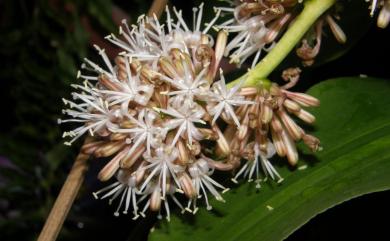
[(249, 40), (131, 90), (183, 120), (138, 44), (223, 99), (161, 166), (126, 185), (91, 66), (253, 166), (193, 38), (92, 112), (200, 172), (144, 132), (187, 87)]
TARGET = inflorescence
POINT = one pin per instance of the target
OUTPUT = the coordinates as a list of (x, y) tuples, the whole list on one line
[(166, 120)]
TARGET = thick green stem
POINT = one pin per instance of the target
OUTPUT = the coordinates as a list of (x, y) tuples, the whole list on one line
[(312, 10)]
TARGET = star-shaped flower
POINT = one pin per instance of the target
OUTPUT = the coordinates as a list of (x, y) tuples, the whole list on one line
[(223, 99), (184, 120), (144, 131)]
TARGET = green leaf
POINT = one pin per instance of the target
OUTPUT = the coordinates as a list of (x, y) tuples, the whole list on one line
[(353, 124)]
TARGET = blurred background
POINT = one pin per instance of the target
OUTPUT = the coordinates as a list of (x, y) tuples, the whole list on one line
[(42, 44)]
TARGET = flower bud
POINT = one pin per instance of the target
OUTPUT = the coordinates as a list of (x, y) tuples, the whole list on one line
[(111, 167), (155, 200)]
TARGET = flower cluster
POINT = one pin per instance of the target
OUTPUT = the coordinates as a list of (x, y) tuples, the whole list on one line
[(163, 116), (257, 24)]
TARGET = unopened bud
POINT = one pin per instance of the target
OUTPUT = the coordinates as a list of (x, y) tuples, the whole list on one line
[(384, 15), (336, 30), (305, 116), (186, 186), (291, 150), (111, 167), (293, 129), (155, 200)]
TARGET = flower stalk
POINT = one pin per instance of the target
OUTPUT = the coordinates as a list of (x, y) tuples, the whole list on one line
[(66, 197), (312, 10)]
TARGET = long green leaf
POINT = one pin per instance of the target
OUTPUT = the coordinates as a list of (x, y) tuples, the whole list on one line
[(353, 124)]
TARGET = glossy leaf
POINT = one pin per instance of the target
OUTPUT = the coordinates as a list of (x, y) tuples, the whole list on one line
[(353, 124)]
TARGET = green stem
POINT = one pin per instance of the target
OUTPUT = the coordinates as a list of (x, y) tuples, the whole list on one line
[(312, 10)]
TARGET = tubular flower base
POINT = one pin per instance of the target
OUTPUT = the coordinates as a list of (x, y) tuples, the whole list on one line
[(161, 112)]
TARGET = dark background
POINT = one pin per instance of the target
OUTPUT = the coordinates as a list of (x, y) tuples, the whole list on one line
[(42, 44)]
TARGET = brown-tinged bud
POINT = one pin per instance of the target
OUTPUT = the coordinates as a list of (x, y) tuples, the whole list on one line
[(223, 148), (205, 55), (149, 75), (266, 113), (186, 185), (293, 129), (190, 66), (155, 200), (336, 30), (118, 136), (291, 150), (90, 147), (247, 91), (384, 15), (242, 110), (160, 95), (183, 153), (176, 54), (208, 134), (127, 124), (305, 116), (230, 133), (243, 129), (312, 142), (219, 48), (291, 106), (278, 143), (235, 147), (276, 125), (167, 67), (140, 173), (253, 110), (106, 82), (135, 65), (129, 160), (303, 99), (111, 167), (120, 62), (244, 141), (109, 148)]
